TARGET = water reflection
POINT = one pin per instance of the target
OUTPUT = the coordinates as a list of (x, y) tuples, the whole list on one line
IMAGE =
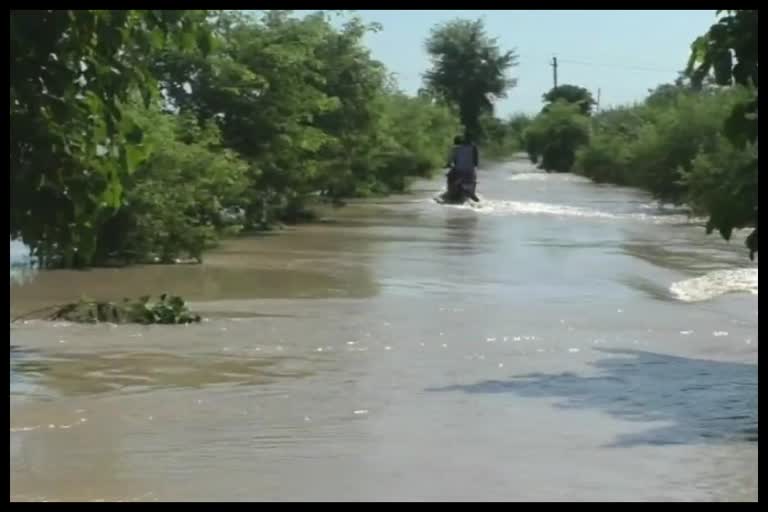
[(324, 262), (461, 233), (23, 266), (703, 400)]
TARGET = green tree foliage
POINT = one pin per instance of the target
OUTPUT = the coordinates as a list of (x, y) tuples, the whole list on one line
[(309, 110), (517, 125), (70, 73), (666, 94), (571, 94), (181, 198), (654, 144), (692, 142), (468, 70), (677, 150), (722, 183), (554, 136), (503, 138), (729, 52), (671, 138), (240, 113)]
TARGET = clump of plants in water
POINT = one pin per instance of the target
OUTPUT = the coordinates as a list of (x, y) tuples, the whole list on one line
[(169, 309)]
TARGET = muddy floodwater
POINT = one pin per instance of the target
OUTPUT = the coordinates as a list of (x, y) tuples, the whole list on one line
[(560, 341)]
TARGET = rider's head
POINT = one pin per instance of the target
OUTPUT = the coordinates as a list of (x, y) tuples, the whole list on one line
[(458, 140)]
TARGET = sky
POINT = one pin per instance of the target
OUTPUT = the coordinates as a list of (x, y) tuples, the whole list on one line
[(621, 53)]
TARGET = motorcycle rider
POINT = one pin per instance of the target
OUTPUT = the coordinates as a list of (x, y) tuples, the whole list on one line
[(463, 161)]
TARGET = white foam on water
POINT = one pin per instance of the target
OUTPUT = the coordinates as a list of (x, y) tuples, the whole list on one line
[(24, 429), (715, 284), (542, 176), (534, 208), (500, 207)]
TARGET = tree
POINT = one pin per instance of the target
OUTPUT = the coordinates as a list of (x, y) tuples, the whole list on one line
[(571, 94), (729, 52), (554, 136), (665, 94), (264, 86), (244, 118), (669, 145), (71, 72), (178, 201), (468, 70)]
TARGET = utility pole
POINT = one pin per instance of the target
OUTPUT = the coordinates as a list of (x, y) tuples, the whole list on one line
[(597, 106), (554, 70)]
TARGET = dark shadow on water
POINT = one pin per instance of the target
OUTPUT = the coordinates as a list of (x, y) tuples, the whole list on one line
[(704, 401)]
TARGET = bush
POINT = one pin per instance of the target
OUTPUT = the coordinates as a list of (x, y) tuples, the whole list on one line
[(673, 137), (269, 112), (606, 160), (502, 138), (554, 136), (175, 204), (650, 145), (722, 183), (675, 146)]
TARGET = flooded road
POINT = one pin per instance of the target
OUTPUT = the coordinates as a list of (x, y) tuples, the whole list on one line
[(561, 341)]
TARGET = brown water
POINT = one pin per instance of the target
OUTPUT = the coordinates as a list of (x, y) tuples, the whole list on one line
[(563, 341)]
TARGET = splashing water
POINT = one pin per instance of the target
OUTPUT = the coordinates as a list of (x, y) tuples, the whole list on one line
[(716, 283), (542, 176), (499, 207)]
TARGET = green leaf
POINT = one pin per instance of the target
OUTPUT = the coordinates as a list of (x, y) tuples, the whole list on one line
[(204, 41), (739, 127), (113, 193), (157, 38), (136, 157), (722, 65), (725, 232), (147, 94), (134, 135)]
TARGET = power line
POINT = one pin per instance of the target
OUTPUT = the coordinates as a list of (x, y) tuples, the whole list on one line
[(411, 75), (619, 66)]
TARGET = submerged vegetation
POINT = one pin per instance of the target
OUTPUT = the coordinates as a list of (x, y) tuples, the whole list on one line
[(167, 309)]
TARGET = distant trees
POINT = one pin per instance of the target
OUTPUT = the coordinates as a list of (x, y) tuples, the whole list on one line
[(468, 71), (571, 94)]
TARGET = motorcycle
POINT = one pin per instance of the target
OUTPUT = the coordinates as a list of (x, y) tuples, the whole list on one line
[(459, 190)]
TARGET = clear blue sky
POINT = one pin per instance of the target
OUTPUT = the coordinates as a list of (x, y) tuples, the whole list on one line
[(624, 53)]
